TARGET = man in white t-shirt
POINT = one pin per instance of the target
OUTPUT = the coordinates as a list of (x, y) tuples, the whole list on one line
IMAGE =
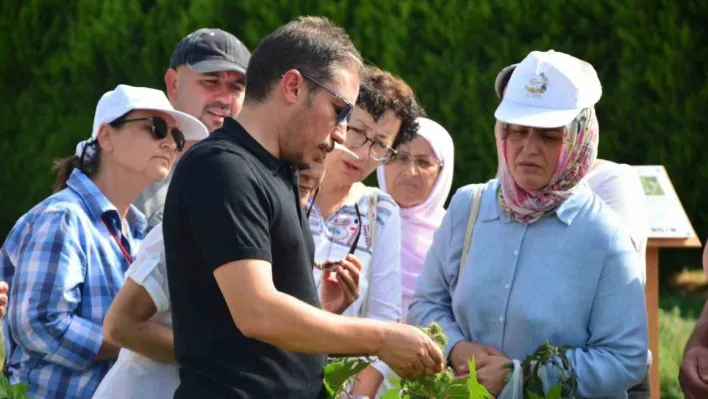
[(618, 185)]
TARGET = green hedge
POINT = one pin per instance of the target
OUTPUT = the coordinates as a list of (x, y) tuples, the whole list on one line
[(58, 57)]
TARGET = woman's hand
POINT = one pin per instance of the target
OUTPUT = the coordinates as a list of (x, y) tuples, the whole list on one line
[(463, 351), (493, 372), (340, 285)]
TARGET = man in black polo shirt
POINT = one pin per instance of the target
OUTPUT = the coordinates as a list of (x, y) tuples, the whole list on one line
[(246, 315)]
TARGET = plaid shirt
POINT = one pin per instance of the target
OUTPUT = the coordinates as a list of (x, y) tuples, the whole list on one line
[(64, 269)]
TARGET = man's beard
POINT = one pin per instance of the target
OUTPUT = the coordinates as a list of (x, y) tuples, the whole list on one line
[(294, 144)]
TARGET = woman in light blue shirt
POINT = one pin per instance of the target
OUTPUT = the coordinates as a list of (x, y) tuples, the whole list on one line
[(548, 261)]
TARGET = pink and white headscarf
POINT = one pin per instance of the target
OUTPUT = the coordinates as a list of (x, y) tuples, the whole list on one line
[(577, 155), (419, 222)]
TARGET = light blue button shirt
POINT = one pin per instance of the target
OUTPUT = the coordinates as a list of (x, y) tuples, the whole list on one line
[(572, 278)]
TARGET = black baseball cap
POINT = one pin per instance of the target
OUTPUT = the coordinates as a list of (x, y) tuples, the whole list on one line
[(211, 50)]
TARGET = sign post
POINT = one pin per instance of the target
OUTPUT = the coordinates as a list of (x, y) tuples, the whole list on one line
[(669, 228)]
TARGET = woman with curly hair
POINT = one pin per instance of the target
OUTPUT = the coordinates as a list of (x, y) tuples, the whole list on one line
[(346, 217)]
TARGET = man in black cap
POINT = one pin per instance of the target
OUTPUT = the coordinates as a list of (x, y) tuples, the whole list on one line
[(206, 79)]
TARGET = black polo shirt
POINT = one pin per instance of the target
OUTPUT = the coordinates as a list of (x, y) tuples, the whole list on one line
[(230, 200)]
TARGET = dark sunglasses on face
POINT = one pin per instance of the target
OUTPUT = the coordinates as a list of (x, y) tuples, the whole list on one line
[(159, 129), (343, 114)]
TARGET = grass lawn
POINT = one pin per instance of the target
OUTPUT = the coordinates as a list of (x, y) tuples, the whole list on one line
[(674, 331)]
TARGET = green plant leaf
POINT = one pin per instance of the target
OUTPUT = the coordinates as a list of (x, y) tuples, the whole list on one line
[(394, 380), (458, 390), (476, 390), (17, 391), (555, 392), (5, 387), (532, 395), (339, 371), (391, 394)]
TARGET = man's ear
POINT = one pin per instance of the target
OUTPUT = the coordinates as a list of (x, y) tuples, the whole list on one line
[(171, 82), (291, 86)]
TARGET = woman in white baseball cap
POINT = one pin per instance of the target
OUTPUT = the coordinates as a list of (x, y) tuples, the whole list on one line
[(618, 185), (535, 255), (65, 259)]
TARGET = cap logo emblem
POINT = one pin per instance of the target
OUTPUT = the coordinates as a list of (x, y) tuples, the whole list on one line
[(538, 85)]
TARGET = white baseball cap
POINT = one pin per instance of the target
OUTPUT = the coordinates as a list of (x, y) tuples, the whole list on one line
[(548, 89), (123, 99)]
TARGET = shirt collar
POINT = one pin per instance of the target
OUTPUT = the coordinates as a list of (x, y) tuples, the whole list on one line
[(98, 205), (567, 211), (237, 132), (490, 209)]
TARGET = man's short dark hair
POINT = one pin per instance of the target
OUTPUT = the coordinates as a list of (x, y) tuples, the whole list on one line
[(380, 91), (312, 45)]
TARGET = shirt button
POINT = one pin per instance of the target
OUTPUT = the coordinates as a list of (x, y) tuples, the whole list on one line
[(501, 319), (507, 286), (516, 252)]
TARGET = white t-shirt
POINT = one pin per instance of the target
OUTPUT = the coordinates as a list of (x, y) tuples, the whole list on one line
[(380, 275), (618, 185), (134, 375)]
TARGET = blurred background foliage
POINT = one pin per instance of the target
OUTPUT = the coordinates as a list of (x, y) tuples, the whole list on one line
[(58, 57)]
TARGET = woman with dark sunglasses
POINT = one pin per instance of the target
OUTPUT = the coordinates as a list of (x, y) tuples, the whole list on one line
[(350, 218), (65, 259)]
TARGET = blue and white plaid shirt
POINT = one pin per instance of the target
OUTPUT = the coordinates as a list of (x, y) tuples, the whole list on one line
[(64, 269)]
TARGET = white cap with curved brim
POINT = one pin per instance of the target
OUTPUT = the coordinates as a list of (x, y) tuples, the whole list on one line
[(123, 99), (548, 89)]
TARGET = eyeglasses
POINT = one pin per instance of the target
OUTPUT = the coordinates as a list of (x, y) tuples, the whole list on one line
[(378, 151), (329, 265), (344, 114), (421, 162), (159, 129)]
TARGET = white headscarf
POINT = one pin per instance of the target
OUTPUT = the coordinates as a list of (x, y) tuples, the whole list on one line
[(419, 222)]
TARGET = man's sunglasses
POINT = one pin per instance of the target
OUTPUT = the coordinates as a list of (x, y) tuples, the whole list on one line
[(344, 114), (159, 129), (328, 266)]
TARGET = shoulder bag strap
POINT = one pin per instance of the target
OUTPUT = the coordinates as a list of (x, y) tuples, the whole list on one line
[(474, 211)]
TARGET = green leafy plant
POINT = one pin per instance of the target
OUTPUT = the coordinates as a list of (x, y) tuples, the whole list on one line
[(445, 385), (17, 391), (442, 385), (340, 371), (548, 355)]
